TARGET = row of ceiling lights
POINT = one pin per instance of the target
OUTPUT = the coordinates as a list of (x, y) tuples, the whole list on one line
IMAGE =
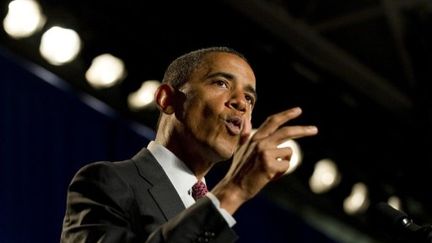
[(326, 176), (59, 46)]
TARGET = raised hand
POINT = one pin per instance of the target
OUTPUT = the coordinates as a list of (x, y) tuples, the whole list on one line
[(259, 161)]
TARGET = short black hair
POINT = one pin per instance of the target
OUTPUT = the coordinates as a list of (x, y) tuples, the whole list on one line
[(180, 70)]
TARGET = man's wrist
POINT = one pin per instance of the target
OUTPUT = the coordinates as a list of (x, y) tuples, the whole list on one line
[(230, 197), (228, 217)]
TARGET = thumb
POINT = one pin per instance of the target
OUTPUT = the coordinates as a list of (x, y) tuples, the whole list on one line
[(247, 130)]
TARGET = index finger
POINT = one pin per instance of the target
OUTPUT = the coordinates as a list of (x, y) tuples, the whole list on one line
[(273, 122)]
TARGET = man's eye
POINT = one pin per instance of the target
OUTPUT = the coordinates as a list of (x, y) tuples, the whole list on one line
[(221, 83), (250, 99)]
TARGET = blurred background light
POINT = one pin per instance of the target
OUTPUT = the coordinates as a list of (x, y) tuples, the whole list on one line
[(358, 201), (144, 96), (24, 18), (325, 176), (105, 71), (60, 45), (296, 157), (395, 202)]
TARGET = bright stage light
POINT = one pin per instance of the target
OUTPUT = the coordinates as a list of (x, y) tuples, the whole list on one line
[(325, 176), (59, 45), (358, 200), (296, 157), (105, 71), (144, 96), (24, 18)]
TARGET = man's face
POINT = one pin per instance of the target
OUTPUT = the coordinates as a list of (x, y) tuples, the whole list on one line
[(219, 98)]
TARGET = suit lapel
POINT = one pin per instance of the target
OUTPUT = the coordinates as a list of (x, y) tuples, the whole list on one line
[(162, 191), (167, 199)]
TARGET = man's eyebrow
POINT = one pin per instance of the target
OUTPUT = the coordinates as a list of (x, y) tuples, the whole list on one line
[(229, 76), (223, 74)]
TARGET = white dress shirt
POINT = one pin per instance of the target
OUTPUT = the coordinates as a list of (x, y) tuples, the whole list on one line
[(183, 178)]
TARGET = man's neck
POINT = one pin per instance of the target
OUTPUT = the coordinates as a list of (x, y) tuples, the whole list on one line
[(194, 158)]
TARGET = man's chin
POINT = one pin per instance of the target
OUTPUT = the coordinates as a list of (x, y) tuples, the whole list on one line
[(227, 153), (225, 149)]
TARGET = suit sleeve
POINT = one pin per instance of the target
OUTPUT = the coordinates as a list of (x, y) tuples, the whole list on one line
[(101, 207), (199, 223)]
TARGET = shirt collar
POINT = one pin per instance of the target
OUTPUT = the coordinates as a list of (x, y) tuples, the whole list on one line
[(179, 174)]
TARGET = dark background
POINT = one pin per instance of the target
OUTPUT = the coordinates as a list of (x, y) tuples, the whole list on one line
[(361, 71)]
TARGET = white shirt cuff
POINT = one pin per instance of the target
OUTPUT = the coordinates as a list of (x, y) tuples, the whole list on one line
[(228, 217)]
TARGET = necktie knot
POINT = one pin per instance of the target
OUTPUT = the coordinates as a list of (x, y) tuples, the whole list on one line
[(199, 190)]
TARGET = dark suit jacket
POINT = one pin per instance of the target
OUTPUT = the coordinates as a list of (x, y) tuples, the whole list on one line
[(134, 201)]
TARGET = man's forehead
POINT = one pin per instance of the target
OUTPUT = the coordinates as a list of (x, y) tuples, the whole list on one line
[(226, 62)]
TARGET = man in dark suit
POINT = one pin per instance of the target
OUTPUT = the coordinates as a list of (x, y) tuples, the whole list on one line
[(206, 102)]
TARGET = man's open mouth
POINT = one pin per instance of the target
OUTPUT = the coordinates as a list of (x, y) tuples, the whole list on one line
[(234, 125)]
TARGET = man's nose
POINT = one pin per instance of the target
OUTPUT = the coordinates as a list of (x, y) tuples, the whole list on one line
[(238, 102)]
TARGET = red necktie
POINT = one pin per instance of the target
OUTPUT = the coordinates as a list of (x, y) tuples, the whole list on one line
[(199, 190)]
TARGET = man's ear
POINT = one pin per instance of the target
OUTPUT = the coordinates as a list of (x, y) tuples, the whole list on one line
[(164, 98)]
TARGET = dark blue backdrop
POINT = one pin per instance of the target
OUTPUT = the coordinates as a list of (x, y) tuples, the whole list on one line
[(48, 131)]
